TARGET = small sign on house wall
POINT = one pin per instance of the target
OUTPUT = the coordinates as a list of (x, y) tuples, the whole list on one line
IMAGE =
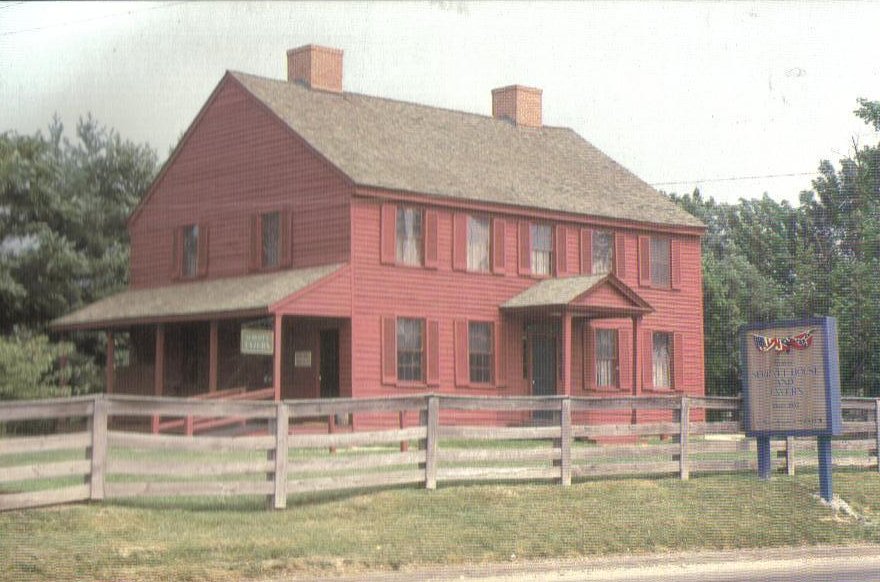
[(302, 359), (259, 342)]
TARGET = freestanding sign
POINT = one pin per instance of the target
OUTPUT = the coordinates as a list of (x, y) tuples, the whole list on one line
[(791, 387)]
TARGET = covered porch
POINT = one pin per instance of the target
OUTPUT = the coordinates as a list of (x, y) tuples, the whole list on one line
[(259, 337), (565, 347)]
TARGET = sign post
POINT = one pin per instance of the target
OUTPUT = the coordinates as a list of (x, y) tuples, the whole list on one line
[(791, 387)]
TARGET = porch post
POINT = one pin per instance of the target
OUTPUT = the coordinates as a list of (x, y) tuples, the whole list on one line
[(276, 359), (159, 369), (635, 351), (110, 363), (212, 357), (635, 363), (566, 353)]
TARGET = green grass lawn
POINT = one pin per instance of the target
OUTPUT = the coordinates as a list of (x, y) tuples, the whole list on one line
[(230, 539)]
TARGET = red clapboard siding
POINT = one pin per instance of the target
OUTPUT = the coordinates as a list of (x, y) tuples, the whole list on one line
[(237, 161), (447, 295)]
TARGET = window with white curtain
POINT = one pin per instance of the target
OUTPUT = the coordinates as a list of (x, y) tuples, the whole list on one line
[(478, 244), (409, 236), (606, 357), (542, 249), (662, 358), (603, 252)]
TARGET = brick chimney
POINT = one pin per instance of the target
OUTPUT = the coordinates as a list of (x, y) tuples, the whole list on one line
[(318, 67), (521, 105)]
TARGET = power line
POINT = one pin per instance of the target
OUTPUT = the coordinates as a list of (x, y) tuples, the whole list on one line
[(70, 22), (733, 178), (10, 5)]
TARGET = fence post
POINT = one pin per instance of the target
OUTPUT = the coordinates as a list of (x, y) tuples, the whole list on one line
[(98, 450), (279, 455), (404, 445), (565, 442), (432, 432), (684, 427), (789, 456), (877, 425)]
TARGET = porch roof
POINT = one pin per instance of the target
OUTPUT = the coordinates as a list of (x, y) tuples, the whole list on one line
[(250, 295), (605, 293)]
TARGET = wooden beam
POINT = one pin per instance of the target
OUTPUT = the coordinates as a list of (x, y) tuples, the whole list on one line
[(109, 363), (276, 358), (212, 356), (635, 354), (566, 353), (159, 370)]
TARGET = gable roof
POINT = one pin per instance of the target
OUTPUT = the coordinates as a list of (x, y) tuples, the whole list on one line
[(407, 147), (254, 294), (582, 291)]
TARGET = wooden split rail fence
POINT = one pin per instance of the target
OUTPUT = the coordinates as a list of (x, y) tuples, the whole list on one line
[(460, 439)]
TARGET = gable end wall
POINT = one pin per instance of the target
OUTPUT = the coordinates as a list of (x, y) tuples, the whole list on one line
[(239, 160)]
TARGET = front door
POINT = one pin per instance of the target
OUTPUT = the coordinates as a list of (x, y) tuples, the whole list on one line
[(329, 372), (543, 369)]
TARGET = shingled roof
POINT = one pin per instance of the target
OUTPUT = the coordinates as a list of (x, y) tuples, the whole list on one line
[(407, 147), (251, 294)]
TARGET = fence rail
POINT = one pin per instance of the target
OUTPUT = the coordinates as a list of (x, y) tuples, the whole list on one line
[(458, 438)]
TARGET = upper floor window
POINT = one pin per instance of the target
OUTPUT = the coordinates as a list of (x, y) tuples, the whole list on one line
[(660, 271), (542, 249), (606, 357), (270, 227), (480, 352), (410, 349), (662, 359), (603, 252), (190, 263), (409, 236), (478, 244)]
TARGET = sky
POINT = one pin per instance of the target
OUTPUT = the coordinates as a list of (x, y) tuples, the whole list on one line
[(738, 99)]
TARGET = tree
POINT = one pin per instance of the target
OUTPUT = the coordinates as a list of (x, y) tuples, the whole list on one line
[(63, 241), (62, 230)]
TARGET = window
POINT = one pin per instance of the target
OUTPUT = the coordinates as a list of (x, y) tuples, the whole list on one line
[(478, 244), (480, 352), (410, 349), (603, 252), (190, 264), (606, 357), (662, 358), (271, 244), (409, 236), (542, 249), (660, 276)]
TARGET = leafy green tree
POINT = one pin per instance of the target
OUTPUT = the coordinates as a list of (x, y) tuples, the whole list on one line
[(62, 230), (63, 240)]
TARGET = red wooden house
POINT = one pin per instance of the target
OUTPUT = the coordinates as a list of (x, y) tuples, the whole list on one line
[(321, 243)]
